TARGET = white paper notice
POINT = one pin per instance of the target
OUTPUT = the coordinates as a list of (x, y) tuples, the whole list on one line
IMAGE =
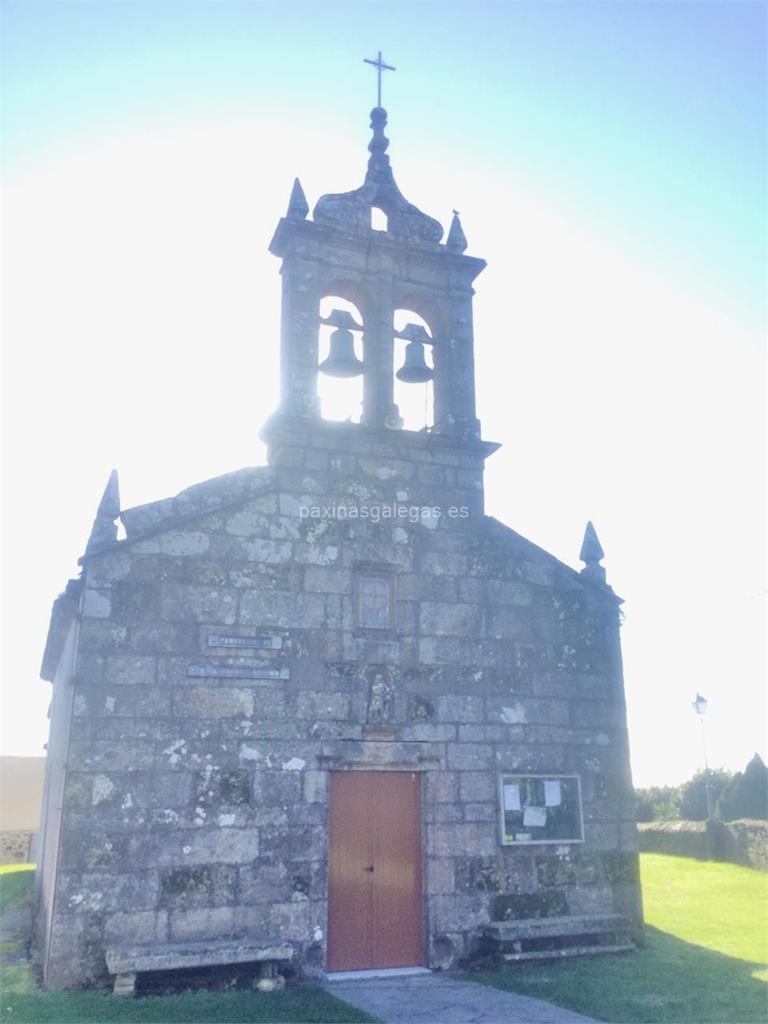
[(552, 797), (511, 797), (535, 817)]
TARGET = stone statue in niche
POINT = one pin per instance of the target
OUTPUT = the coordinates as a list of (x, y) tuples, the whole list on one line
[(381, 704)]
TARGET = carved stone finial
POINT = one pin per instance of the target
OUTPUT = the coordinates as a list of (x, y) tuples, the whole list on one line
[(379, 142), (104, 529), (591, 553), (457, 240), (298, 207), (351, 211)]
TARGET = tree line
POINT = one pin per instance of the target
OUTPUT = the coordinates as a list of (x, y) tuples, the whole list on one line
[(740, 795)]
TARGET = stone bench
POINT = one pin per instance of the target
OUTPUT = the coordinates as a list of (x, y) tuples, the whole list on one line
[(555, 937), (126, 962)]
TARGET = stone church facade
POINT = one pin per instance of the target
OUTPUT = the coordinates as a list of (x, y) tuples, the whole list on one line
[(329, 702)]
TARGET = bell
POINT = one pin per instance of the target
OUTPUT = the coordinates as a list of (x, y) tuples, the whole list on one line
[(342, 361), (414, 370)]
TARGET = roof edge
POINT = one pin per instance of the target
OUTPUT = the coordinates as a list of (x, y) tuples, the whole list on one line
[(593, 584), (63, 614)]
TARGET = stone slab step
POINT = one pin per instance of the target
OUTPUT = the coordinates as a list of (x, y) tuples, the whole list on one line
[(173, 956), (566, 951), (555, 927)]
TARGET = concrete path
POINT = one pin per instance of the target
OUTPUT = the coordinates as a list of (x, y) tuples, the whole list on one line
[(439, 999)]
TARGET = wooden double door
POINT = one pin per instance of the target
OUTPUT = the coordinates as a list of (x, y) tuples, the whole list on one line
[(374, 871)]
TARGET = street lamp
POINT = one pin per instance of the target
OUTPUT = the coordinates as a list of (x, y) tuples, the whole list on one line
[(700, 707)]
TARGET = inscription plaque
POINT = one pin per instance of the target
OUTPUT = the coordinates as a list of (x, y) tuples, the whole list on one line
[(237, 672), (263, 641)]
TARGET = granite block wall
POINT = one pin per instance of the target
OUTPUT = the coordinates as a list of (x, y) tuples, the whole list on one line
[(222, 674)]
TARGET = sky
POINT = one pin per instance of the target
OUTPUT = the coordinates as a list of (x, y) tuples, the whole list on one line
[(608, 160)]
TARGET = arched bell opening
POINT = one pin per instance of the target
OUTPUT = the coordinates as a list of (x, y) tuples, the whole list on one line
[(340, 345), (414, 370)]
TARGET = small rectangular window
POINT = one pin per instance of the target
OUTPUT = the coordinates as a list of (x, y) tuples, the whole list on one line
[(374, 600), (540, 809)]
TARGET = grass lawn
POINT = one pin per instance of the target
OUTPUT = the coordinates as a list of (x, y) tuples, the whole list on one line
[(22, 1001), (16, 881), (704, 962), (298, 1003)]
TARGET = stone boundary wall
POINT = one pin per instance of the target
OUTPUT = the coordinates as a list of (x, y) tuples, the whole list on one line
[(746, 842), (15, 847), (737, 842)]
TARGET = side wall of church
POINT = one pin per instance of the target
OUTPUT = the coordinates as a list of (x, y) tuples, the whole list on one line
[(196, 793)]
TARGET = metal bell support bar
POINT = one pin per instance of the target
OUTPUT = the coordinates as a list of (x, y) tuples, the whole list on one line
[(342, 361), (415, 369)]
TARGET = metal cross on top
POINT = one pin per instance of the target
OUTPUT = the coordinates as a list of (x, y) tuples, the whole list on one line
[(380, 66)]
